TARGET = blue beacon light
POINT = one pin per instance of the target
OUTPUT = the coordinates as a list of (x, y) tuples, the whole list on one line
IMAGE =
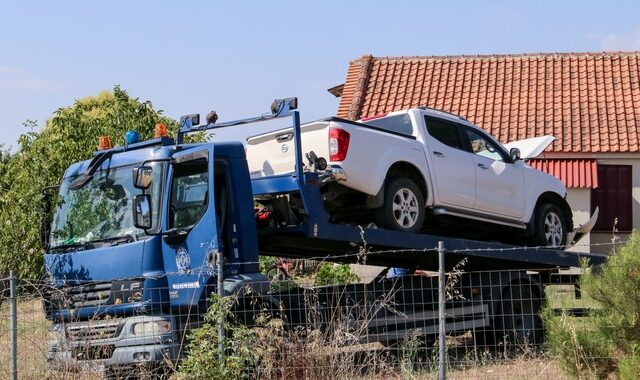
[(131, 137)]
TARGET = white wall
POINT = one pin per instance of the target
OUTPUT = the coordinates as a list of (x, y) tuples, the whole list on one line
[(580, 202)]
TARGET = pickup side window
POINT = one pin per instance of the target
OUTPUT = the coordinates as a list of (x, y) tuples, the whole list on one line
[(445, 132), (482, 146), (189, 193), (397, 123)]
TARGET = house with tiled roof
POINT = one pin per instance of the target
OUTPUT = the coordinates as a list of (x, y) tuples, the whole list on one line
[(590, 103)]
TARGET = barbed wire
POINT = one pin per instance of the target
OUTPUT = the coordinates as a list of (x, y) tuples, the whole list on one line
[(364, 250)]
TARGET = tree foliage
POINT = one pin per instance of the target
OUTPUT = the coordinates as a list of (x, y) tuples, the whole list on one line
[(605, 343), (71, 135)]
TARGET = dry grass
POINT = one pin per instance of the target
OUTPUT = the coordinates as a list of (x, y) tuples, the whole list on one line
[(331, 361), (33, 340), (534, 368)]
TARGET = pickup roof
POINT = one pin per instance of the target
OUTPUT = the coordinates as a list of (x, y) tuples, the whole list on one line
[(418, 162)]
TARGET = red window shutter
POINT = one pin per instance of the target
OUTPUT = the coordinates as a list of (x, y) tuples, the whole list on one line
[(613, 197)]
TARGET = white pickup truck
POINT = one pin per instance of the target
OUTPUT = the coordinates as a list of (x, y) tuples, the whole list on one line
[(410, 164)]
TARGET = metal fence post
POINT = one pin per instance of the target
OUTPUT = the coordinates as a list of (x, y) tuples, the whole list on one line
[(220, 260), (442, 345), (13, 325)]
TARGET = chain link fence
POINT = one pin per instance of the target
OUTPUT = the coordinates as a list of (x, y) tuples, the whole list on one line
[(382, 325)]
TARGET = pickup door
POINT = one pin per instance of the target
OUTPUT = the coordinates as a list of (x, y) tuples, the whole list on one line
[(454, 173), (472, 172), (499, 182)]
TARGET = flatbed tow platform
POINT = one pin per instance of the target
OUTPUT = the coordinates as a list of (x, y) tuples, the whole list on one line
[(316, 237)]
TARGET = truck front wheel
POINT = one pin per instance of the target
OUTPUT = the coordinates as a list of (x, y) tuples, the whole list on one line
[(403, 207)]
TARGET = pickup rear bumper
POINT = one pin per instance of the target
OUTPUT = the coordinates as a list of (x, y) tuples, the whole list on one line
[(334, 173)]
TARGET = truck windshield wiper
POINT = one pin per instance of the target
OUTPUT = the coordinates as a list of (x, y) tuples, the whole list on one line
[(76, 246), (79, 246), (115, 240)]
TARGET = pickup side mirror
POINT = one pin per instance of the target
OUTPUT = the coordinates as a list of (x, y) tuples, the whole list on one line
[(142, 177), (142, 211), (514, 153)]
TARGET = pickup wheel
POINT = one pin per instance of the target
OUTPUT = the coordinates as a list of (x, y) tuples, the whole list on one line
[(550, 226), (403, 207)]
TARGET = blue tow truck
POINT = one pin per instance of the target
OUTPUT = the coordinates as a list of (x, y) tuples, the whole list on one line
[(143, 234)]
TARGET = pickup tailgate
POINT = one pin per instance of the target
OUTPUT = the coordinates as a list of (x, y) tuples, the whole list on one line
[(274, 152)]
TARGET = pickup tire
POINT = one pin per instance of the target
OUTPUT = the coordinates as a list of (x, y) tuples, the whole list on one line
[(403, 207), (550, 226)]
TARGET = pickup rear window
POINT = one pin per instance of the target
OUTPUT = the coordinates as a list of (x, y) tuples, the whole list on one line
[(397, 123)]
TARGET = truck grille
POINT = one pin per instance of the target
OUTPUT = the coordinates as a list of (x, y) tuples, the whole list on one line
[(93, 352), (94, 294), (93, 331)]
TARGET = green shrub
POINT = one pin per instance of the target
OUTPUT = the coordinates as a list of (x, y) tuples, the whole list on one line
[(607, 341), (203, 360), (328, 274)]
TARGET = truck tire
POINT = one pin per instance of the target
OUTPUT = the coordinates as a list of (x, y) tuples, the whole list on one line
[(550, 226), (403, 207), (517, 322)]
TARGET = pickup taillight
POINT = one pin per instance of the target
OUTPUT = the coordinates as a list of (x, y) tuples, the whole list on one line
[(338, 144)]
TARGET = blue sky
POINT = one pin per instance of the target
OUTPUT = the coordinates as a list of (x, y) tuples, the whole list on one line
[(237, 56)]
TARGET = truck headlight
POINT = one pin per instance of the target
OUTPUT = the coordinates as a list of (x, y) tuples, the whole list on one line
[(151, 328)]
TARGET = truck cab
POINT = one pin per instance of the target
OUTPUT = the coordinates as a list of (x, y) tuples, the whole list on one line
[(134, 242)]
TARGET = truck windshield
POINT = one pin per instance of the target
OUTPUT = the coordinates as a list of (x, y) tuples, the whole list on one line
[(102, 210)]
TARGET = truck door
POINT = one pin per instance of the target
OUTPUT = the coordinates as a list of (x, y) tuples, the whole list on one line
[(454, 174), (499, 182), (191, 236)]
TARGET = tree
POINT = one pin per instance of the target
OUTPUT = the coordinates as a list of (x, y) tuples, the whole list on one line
[(71, 135), (605, 343)]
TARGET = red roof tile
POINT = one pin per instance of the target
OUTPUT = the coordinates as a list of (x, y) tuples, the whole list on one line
[(573, 173), (589, 101)]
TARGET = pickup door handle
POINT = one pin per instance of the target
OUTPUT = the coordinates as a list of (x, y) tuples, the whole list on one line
[(284, 137), (483, 166), (438, 154)]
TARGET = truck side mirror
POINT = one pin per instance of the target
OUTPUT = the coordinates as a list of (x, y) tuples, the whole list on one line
[(142, 177), (142, 211), (44, 232), (514, 153), (46, 217)]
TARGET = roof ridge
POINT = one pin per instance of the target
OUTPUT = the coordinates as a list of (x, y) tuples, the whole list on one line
[(508, 55)]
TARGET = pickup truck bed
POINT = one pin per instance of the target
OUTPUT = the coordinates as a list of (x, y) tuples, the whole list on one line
[(273, 153)]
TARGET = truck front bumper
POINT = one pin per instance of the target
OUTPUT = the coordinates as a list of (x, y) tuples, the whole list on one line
[(95, 345)]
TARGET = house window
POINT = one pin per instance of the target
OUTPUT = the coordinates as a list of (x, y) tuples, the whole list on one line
[(613, 197)]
